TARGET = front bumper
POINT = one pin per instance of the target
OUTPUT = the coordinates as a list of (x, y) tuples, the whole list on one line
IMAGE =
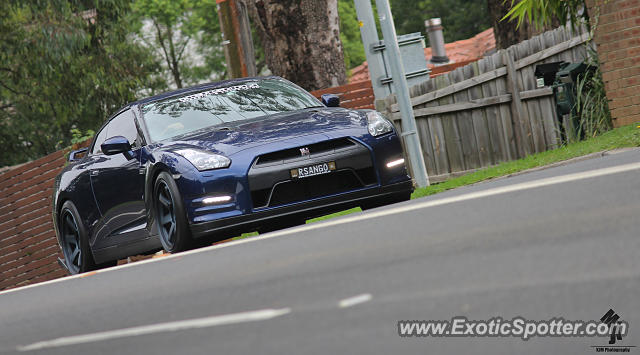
[(225, 227)]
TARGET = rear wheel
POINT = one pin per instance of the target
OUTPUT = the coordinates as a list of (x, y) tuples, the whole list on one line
[(170, 216), (74, 242)]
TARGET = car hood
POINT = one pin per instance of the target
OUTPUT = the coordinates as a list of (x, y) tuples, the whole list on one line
[(233, 137)]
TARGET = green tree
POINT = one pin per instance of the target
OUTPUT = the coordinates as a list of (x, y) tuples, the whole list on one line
[(64, 65), (543, 12), (175, 30), (508, 33), (350, 34), (461, 19)]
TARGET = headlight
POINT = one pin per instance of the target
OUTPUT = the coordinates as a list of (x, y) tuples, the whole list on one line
[(203, 160), (377, 124)]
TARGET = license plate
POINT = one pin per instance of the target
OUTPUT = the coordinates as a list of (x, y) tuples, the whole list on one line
[(312, 170)]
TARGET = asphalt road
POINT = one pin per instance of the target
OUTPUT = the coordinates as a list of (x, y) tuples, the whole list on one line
[(562, 242)]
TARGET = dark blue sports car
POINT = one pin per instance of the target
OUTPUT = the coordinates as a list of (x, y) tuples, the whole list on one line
[(206, 163)]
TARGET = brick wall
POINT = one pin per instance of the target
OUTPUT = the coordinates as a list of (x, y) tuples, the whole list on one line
[(617, 36), (28, 247)]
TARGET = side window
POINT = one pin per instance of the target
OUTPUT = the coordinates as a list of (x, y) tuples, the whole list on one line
[(123, 125), (98, 141)]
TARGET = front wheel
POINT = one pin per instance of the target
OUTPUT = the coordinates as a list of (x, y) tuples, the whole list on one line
[(170, 216), (74, 242)]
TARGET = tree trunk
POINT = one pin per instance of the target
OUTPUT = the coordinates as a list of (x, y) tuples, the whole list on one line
[(236, 32), (507, 33), (301, 40), (169, 53)]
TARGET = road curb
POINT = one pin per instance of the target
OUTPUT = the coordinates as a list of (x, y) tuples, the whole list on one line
[(600, 154)]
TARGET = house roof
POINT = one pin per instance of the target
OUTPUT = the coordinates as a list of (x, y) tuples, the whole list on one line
[(459, 52)]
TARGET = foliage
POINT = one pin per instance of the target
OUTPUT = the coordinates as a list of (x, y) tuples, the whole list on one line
[(461, 19), (350, 34), (77, 136), (176, 29), (63, 69), (591, 101), (542, 12)]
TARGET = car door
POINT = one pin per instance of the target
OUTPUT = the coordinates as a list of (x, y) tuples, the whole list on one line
[(118, 187)]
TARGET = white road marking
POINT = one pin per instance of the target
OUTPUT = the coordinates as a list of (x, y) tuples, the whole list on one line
[(416, 205), (205, 322), (352, 301)]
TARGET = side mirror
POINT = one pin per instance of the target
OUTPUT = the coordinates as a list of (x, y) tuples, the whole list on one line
[(115, 145), (330, 100), (77, 154)]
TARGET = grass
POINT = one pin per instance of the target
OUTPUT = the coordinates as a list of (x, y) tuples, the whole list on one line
[(337, 214), (245, 235), (627, 136)]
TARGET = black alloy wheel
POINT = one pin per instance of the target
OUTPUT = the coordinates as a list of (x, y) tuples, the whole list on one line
[(70, 238), (170, 216), (75, 243)]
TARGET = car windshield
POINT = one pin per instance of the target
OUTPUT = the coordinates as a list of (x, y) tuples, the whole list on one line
[(179, 115)]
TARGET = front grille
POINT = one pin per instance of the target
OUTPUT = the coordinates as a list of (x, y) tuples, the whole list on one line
[(314, 187), (270, 179), (324, 147)]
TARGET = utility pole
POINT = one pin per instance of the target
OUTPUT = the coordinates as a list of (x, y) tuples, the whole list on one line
[(369, 35), (409, 130), (236, 38)]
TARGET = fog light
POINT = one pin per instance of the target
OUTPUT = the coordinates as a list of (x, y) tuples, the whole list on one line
[(393, 163), (216, 199)]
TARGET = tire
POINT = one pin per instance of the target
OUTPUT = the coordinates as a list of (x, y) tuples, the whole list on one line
[(170, 216), (75, 243), (387, 200)]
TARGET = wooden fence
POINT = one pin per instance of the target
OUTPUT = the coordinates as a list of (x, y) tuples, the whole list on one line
[(490, 111), (359, 95)]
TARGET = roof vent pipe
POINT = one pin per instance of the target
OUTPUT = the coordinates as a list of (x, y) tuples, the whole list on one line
[(436, 40)]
